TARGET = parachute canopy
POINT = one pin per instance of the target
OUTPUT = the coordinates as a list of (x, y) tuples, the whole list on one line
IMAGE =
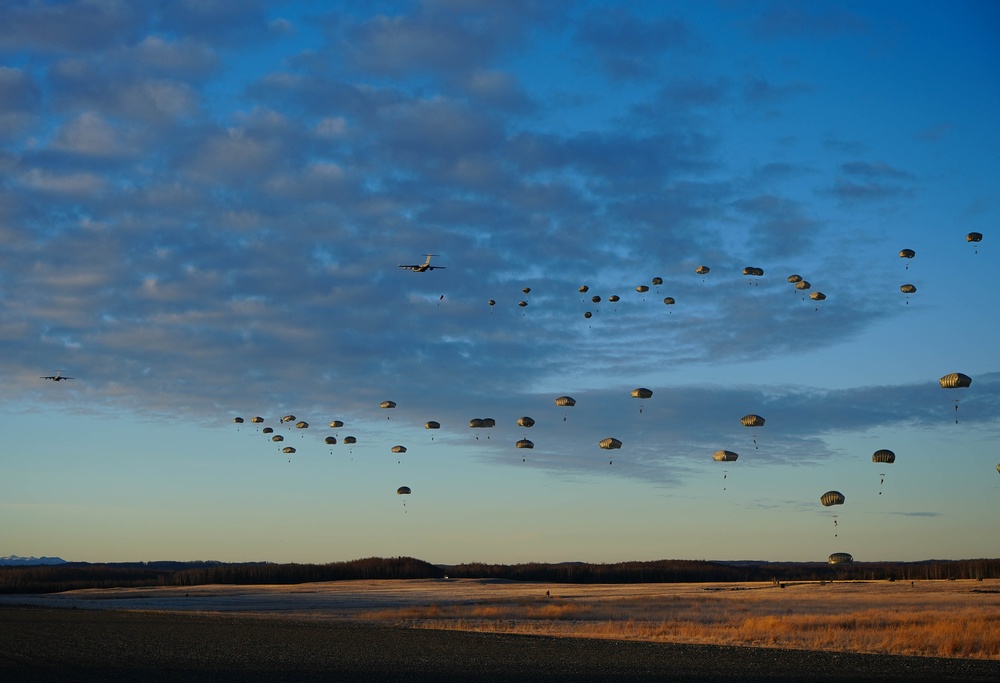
[(583, 289), (336, 424), (974, 237), (614, 298), (642, 392), (725, 456), (609, 443), (832, 498), (288, 418), (403, 491), (752, 421), (525, 421), (817, 296), (795, 278), (387, 404), (399, 449), (431, 424), (330, 440), (288, 449), (588, 315), (524, 443), (267, 430), (802, 284), (669, 300), (955, 380), (596, 299), (256, 420), (884, 455), (302, 424), (522, 304), (752, 270), (526, 290), (238, 420), (701, 270), (642, 288), (657, 280), (350, 439), (907, 253), (489, 422), (907, 289), (840, 558), (476, 423), (277, 437), (566, 401)]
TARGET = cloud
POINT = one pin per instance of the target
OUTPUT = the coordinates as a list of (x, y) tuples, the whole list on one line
[(628, 46), (784, 20), (79, 26)]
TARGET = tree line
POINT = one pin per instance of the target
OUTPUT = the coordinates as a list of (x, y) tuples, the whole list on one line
[(77, 575)]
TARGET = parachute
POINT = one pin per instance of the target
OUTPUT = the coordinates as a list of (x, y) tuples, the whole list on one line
[(907, 289), (330, 440), (492, 303), (751, 270), (489, 422), (802, 284), (975, 237), (302, 424), (522, 304), (350, 439), (702, 270), (432, 425), (387, 404), (277, 437), (565, 401), (642, 392), (256, 420), (998, 467), (596, 299), (840, 558), (614, 298), (609, 444), (752, 421), (884, 455), (832, 498), (907, 254), (795, 278), (476, 423), (955, 380), (642, 289), (525, 421), (817, 296), (588, 315), (238, 420), (583, 289), (288, 418), (669, 300), (336, 424), (725, 456), (288, 449), (399, 449), (267, 430), (526, 290), (403, 491), (657, 281)]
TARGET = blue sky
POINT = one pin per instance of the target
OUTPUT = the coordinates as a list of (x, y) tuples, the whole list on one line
[(202, 208)]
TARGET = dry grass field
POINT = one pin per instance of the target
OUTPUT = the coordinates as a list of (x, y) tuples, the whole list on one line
[(958, 619)]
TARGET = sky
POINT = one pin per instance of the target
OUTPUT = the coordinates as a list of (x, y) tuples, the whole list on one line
[(203, 207)]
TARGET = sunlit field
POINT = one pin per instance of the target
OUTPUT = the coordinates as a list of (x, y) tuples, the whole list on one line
[(941, 619), (926, 618)]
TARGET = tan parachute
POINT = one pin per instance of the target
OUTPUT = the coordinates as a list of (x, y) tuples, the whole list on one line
[(840, 558), (832, 498), (725, 456)]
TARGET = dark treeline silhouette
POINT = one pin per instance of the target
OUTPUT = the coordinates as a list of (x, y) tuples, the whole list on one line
[(75, 575), (701, 571)]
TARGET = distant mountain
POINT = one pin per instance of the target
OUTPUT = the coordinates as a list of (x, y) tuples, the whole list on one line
[(22, 561)]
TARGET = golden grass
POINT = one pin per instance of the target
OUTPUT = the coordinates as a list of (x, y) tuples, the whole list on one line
[(854, 621)]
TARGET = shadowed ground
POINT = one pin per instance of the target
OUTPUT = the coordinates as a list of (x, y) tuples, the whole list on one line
[(46, 644)]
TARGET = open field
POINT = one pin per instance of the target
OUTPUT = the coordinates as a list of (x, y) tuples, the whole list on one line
[(957, 619)]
